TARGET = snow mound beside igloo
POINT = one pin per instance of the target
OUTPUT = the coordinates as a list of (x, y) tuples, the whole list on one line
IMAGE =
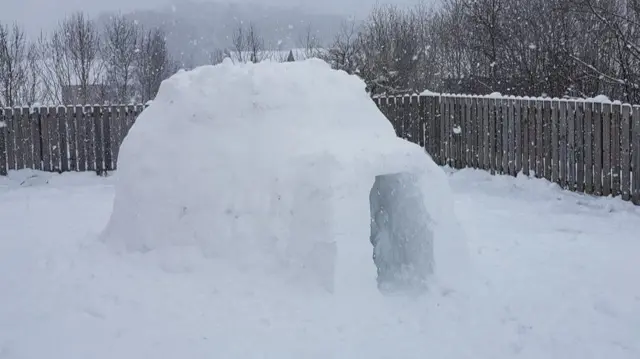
[(268, 168)]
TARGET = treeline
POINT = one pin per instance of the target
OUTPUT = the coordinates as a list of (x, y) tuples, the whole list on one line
[(79, 63), (559, 48)]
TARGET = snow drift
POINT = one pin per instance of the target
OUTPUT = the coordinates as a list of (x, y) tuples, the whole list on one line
[(285, 171)]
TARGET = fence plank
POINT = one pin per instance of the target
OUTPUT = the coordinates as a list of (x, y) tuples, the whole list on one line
[(555, 141), (416, 121), (539, 141), (475, 120), (81, 136), (563, 179), (507, 136), (45, 140), (492, 136), (519, 135), (462, 126), (63, 137), (459, 132), (571, 144), (106, 138), (89, 138), (396, 110), (10, 138), (36, 138), (533, 139), (25, 138), (30, 117), (625, 153), (54, 139), (405, 117), (579, 150), (444, 130), (636, 155), (588, 148), (468, 133), (3, 143), (422, 121), (444, 109), (18, 115), (606, 149), (74, 115), (615, 149), (437, 128), (597, 148), (99, 144), (546, 126), (485, 135), (453, 140), (21, 150), (525, 137), (425, 124), (500, 143)]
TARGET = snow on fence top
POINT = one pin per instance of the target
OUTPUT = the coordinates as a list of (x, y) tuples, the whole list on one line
[(498, 96)]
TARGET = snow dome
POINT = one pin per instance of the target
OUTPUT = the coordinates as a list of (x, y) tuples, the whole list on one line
[(286, 170)]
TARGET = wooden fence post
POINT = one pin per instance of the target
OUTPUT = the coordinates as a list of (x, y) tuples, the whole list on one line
[(107, 138), (579, 150), (625, 152), (636, 155), (606, 149), (423, 122), (3, 143), (555, 142), (616, 112), (588, 148)]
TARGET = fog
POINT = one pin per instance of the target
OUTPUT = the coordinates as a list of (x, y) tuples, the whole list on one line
[(35, 15)]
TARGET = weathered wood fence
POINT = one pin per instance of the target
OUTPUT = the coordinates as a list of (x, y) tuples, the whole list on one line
[(61, 139), (583, 146)]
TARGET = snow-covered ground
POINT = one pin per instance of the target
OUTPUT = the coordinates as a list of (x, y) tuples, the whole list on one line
[(556, 276)]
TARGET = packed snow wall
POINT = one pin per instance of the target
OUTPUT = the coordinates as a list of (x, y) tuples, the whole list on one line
[(268, 170)]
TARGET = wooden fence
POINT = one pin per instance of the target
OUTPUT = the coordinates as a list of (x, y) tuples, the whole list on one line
[(61, 139), (583, 146)]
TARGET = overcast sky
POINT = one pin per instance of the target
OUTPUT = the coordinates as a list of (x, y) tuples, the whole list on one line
[(36, 14)]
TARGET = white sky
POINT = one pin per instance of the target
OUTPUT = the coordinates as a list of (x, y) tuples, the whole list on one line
[(34, 15)]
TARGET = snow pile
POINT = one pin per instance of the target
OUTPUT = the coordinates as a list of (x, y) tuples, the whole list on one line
[(267, 169), (599, 98)]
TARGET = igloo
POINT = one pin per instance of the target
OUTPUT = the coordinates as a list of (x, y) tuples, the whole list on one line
[(286, 170)]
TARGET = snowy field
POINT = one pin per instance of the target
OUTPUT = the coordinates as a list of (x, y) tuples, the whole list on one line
[(556, 276)]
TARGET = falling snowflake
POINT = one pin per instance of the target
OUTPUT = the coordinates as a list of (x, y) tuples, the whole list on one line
[(457, 130)]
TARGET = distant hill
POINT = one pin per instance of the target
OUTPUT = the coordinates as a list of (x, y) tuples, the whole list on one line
[(194, 30)]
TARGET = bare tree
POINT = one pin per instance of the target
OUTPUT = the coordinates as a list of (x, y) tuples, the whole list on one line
[(255, 45), (13, 53), (31, 92), (248, 45), (153, 63), (343, 53), (239, 41), (81, 46), (218, 55), (309, 43), (119, 54)]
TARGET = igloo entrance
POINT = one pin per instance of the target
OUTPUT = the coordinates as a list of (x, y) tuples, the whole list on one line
[(400, 233)]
